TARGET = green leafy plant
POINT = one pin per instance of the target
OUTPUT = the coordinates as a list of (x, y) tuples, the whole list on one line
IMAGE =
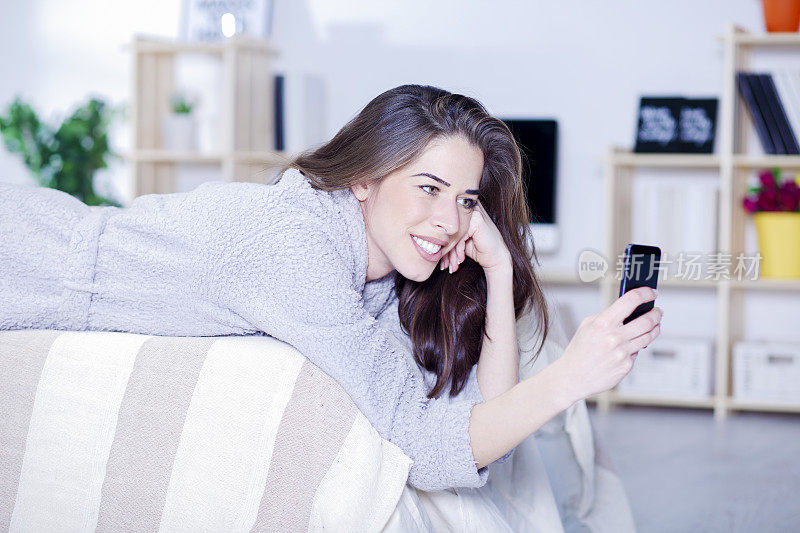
[(65, 158), (182, 103)]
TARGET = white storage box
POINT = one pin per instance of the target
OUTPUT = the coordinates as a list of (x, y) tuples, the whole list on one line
[(767, 372), (675, 367)]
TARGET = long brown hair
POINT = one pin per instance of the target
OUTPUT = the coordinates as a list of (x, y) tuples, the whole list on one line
[(445, 314)]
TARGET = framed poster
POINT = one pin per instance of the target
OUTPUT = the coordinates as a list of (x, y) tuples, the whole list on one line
[(657, 129), (216, 20), (698, 124), (676, 125)]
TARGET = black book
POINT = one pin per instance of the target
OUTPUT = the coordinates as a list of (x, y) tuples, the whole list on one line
[(279, 105), (779, 112), (755, 114), (766, 112)]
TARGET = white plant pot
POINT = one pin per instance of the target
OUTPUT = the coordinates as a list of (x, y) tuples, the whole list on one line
[(179, 132)]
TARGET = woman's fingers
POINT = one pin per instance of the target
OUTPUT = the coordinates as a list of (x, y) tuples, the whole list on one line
[(642, 324), (625, 304), (457, 254), (636, 344), (469, 249)]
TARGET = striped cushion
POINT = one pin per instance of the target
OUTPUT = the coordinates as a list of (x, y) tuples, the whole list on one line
[(117, 431)]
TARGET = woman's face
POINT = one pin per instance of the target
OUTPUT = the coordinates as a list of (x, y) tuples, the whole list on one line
[(418, 213)]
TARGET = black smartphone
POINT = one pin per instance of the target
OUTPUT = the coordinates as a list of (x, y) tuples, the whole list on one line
[(640, 269)]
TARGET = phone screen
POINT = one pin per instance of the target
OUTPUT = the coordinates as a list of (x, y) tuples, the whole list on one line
[(640, 269)]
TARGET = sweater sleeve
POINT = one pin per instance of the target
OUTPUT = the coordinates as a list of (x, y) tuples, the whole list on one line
[(473, 391), (291, 282)]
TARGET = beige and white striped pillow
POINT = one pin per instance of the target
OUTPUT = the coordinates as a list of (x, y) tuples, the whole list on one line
[(115, 431)]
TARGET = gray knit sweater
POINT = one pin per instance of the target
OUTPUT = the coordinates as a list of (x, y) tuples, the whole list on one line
[(285, 260)]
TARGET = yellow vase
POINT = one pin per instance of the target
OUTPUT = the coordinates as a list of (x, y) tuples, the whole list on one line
[(779, 243)]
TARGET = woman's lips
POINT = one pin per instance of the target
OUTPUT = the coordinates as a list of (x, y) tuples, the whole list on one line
[(433, 258)]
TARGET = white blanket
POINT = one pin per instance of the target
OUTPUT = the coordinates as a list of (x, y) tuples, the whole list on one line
[(557, 480)]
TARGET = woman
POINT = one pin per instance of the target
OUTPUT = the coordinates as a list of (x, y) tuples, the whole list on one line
[(351, 233)]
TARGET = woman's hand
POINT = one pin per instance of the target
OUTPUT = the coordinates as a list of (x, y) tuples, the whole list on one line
[(603, 349), (482, 243)]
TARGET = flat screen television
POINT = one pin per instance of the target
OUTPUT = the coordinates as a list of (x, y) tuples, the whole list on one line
[(538, 141)]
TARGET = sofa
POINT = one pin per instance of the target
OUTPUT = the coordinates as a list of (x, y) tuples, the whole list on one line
[(111, 431)]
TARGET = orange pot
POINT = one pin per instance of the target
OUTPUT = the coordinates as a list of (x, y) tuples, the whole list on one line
[(781, 15)]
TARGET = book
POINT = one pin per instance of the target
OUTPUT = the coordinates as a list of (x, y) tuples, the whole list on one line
[(755, 113), (793, 77), (766, 112), (779, 113), (784, 84)]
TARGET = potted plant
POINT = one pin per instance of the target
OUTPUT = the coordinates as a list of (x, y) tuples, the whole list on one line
[(775, 204), (65, 158), (179, 128)]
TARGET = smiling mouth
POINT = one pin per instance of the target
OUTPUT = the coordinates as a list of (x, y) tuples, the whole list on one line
[(428, 251)]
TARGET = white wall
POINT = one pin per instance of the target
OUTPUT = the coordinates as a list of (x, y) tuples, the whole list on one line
[(583, 63)]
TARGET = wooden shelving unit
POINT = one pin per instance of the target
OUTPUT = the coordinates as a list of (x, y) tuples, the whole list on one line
[(246, 111), (734, 165)]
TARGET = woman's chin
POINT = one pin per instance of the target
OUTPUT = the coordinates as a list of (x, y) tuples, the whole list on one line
[(418, 273)]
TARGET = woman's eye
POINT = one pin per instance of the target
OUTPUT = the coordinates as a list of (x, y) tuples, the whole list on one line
[(470, 204)]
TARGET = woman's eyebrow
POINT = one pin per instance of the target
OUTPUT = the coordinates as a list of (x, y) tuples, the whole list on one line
[(440, 180)]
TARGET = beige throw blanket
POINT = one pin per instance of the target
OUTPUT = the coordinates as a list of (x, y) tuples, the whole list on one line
[(122, 432)]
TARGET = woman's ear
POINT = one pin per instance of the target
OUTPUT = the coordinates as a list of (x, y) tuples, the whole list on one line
[(361, 191)]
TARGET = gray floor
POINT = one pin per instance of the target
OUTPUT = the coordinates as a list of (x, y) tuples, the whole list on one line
[(683, 472)]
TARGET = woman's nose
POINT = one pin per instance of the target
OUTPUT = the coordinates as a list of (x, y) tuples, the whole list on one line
[(447, 219)]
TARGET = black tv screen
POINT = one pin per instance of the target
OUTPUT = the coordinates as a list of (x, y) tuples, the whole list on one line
[(538, 144)]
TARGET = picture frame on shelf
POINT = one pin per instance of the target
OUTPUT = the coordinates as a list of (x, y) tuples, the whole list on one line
[(676, 124), (205, 21), (698, 125), (658, 124)]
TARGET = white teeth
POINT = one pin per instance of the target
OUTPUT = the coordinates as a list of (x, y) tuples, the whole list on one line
[(427, 246)]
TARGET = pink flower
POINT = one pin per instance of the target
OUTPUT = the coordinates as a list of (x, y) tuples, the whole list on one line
[(767, 179), (768, 200), (773, 195), (788, 200), (791, 188)]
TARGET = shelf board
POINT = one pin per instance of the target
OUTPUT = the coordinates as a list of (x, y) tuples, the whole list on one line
[(563, 277), (761, 161), (662, 401), (555, 277), (631, 159), (666, 401), (766, 284), (277, 157), (743, 405), (711, 161), (151, 45), (209, 158), (168, 156), (767, 39), (707, 403), (679, 283)]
